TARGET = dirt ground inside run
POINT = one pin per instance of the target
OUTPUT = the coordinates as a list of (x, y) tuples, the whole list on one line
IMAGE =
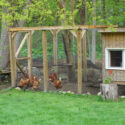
[(87, 88)]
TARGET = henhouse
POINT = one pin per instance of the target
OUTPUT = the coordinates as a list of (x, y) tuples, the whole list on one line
[(113, 54)]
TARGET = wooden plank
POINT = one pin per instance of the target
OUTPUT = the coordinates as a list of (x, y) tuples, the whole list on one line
[(45, 61), (73, 33), (115, 29), (23, 58), (22, 43), (119, 82), (18, 65), (29, 45), (84, 57), (103, 57), (83, 33), (13, 35), (12, 60), (79, 52), (25, 29)]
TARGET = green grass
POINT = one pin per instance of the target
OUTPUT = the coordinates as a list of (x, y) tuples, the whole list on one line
[(39, 108)]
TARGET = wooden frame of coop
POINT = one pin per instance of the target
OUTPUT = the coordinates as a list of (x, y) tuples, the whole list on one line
[(78, 31)]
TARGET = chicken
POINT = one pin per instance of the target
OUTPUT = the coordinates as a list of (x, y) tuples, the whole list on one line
[(36, 83), (32, 80), (29, 82), (56, 83), (52, 77), (24, 83)]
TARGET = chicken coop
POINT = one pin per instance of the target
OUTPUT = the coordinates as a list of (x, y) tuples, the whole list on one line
[(113, 54), (79, 32)]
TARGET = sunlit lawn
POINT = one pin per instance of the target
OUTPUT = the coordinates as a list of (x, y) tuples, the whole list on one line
[(39, 108)]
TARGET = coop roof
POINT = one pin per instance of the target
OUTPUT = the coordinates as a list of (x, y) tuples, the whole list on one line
[(108, 30)]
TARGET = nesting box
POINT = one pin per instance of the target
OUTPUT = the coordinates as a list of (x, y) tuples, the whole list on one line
[(113, 54)]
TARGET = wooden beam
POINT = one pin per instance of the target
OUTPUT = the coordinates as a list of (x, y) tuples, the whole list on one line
[(45, 61), (12, 59), (22, 43), (18, 65), (13, 35), (29, 45), (84, 57), (79, 53), (23, 58), (26, 29), (73, 33), (83, 33)]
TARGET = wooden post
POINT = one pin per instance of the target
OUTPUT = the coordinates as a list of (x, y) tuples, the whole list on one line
[(84, 57), (79, 52), (29, 45), (12, 59), (45, 61)]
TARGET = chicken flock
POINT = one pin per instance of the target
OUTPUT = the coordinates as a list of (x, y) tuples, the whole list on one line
[(34, 82), (29, 82)]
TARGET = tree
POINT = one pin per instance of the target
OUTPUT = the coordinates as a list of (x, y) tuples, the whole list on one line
[(93, 57), (16, 13), (67, 40), (11, 21)]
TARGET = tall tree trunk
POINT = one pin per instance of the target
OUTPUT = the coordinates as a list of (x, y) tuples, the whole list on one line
[(82, 13), (93, 57), (88, 36), (103, 10), (18, 35), (67, 41), (4, 47), (4, 44)]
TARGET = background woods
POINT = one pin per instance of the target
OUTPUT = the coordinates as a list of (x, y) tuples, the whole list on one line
[(29, 13)]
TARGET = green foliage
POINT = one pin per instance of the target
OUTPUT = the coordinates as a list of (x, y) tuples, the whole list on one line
[(107, 80), (47, 12)]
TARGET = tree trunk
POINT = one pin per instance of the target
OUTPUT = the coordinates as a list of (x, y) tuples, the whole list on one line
[(4, 44), (82, 13), (93, 55), (109, 91), (103, 10), (18, 35), (4, 47), (67, 41)]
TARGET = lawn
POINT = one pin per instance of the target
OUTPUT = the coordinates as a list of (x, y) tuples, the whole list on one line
[(39, 108)]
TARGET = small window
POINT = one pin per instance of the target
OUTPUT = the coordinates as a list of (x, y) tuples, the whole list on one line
[(115, 58)]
